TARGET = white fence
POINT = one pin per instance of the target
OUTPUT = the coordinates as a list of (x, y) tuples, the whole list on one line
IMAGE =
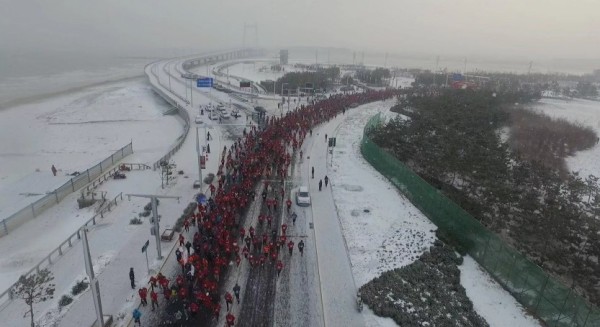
[(29, 212)]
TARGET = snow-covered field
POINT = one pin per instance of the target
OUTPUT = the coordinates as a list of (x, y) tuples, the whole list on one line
[(585, 113), (380, 229)]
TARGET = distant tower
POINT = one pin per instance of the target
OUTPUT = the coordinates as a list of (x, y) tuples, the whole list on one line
[(354, 58), (251, 27), (283, 57)]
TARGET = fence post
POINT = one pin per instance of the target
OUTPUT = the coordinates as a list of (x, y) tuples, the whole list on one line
[(485, 251), (541, 294), (112, 159), (562, 307), (101, 170), (60, 249)]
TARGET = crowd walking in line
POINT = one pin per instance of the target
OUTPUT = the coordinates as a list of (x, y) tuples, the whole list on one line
[(214, 237)]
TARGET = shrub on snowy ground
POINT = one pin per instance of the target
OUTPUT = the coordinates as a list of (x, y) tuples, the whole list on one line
[(64, 301), (427, 291), (135, 221), (80, 286), (187, 212)]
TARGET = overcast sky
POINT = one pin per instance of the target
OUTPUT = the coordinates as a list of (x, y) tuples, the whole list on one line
[(516, 28)]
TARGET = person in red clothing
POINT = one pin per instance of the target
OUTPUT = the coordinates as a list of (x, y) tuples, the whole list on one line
[(194, 308), (152, 282), (237, 260), (183, 293), (164, 283), (283, 229), (279, 267), (230, 319), (216, 310), (154, 299), (228, 300), (181, 240), (291, 246), (143, 292), (288, 204), (242, 232)]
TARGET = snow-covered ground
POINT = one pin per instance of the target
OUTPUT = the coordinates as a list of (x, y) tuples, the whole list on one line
[(585, 113), (391, 234), (73, 132)]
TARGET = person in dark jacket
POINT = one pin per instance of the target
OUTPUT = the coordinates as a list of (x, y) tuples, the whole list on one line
[(132, 278)]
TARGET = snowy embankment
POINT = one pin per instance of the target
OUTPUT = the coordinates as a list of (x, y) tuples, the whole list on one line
[(385, 231), (73, 132), (578, 111)]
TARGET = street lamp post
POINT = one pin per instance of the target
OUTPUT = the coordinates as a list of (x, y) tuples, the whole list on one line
[(89, 268), (199, 163)]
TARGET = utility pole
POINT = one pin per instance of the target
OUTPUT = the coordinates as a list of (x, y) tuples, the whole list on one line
[(89, 269), (153, 200), (199, 163)]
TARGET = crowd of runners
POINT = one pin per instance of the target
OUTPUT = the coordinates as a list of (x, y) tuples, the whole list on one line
[(216, 233)]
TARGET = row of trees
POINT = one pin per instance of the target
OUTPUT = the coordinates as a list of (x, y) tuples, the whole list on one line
[(377, 76), (451, 138), (320, 79)]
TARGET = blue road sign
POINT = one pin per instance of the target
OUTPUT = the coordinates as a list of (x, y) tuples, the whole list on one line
[(204, 82)]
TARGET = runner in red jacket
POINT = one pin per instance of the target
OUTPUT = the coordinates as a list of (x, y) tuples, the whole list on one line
[(230, 319)]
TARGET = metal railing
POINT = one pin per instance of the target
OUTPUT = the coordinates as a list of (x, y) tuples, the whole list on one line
[(77, 182), (7, 295)]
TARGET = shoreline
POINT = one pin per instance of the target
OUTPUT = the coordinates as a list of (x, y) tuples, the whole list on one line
[(44, 96)]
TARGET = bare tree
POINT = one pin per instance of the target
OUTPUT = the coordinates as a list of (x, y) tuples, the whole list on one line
[(35, 288)]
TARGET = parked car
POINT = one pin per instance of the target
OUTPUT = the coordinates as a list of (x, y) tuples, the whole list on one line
[(303, 196), (198, 119), (214, 115), (225, 115)]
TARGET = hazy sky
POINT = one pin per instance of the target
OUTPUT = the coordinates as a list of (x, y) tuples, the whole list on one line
[(523, 28)]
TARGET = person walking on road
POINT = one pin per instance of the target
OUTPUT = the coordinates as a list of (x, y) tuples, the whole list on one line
[(228, 300), (154, 299), (320, 184), (236, 292), (54, 170), (137, 315), (230, 319), (132, 278), (326, 180), (143, 292), (301, 247), (294, 216), (313, 172), (325, 137)]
